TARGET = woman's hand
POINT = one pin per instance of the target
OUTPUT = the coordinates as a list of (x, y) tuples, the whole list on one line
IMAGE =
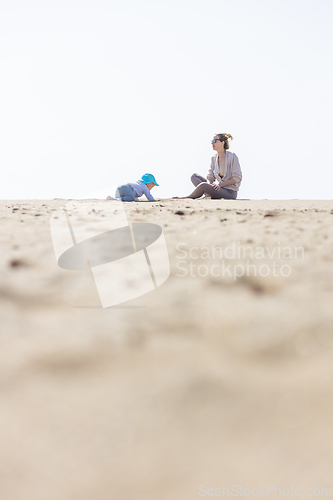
[(216, 185)]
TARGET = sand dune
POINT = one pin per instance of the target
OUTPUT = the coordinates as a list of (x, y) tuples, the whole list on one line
[(221, 376)]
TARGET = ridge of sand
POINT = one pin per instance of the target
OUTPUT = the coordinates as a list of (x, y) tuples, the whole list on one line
[(208, 380)]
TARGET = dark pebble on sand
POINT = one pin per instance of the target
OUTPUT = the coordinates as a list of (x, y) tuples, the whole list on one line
[(17, 263)]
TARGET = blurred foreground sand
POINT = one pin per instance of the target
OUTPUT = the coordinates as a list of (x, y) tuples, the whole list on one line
[(207, 381)]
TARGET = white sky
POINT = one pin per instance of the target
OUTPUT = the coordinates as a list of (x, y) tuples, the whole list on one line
[(97, 92)]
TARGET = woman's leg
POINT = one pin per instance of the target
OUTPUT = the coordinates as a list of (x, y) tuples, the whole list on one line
[(227, 194), (197, 179), (206, 188)]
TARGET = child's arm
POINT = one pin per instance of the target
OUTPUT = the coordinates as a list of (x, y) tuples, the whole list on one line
[(147, 193)]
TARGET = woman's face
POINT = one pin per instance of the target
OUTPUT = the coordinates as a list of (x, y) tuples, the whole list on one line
[(218, 145)]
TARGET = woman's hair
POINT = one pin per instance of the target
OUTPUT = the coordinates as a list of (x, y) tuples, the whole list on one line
[(225, 138)]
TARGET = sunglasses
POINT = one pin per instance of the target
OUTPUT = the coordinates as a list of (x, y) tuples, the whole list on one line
[(214, 140)]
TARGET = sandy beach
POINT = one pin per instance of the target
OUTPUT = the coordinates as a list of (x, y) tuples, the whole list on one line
[(221, 376)]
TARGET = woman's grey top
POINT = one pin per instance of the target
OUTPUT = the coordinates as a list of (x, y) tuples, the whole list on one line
[(232, 170)]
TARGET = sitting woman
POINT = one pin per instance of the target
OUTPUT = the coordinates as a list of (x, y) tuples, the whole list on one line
[(224, 176)]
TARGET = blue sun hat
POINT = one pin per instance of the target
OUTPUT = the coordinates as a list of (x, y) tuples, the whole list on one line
[(146, 178)]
